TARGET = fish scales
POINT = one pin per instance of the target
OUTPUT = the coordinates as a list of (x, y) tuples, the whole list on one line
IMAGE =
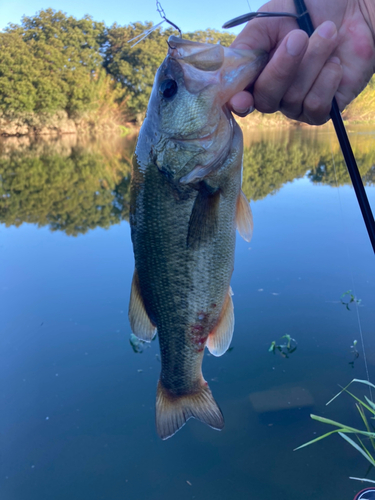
[(186, 198)]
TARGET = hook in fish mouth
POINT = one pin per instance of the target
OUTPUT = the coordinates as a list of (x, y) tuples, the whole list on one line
[(170, 46)]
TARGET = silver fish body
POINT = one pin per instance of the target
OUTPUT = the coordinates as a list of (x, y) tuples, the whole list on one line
[(186, 202)]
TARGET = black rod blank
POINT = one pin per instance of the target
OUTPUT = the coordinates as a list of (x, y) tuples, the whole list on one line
[(305, 23)]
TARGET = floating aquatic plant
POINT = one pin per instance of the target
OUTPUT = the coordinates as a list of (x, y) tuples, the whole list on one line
[(288, 347), (348, 298), (138, 345)]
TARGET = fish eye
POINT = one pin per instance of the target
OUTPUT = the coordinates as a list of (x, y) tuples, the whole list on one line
[(168, 88)]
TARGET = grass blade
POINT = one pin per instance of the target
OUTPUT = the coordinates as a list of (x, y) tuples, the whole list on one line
[(366, 450), (371, 404), (358, 448), (338, 394), (360, 401), (364, 418), (362, 479), (366, 382), (344, 428), (317, 439)]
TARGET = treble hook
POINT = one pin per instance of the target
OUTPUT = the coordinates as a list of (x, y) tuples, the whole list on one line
[(160, 9)]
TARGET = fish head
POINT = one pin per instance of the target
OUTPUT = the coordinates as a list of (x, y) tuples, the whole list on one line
[(195, 81)]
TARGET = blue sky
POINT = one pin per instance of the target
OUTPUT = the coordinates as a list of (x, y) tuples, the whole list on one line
[(189, 15)]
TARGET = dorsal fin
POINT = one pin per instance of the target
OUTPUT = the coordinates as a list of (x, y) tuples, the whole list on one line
[(220, 338), (244, 217), (140, 323)]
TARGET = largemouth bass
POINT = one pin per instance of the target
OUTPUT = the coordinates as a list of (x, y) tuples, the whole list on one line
[(186, 202)]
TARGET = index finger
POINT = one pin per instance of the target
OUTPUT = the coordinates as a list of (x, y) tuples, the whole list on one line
[(265, 33)]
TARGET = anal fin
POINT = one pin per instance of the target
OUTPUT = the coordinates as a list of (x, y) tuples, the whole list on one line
[(173, 411), (140, 323), (244, 217), (220, 338)]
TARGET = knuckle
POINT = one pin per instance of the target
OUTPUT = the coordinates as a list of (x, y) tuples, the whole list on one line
[(316, 109), (293, 115), (333, 70), (293, 98), (315, 104), (265, 103)]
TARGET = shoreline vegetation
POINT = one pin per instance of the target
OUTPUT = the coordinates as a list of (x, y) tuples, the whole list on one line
[(60, 75)]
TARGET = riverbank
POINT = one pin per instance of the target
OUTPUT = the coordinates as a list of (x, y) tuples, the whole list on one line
[(60, 124), (56, 124)]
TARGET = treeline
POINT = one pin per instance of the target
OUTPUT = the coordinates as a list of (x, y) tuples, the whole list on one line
[(52, 62)]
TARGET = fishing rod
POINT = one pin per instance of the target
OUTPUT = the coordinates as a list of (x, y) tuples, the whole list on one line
[(304, 22)]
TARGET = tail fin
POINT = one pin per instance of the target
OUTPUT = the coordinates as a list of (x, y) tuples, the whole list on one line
[(172, 412)]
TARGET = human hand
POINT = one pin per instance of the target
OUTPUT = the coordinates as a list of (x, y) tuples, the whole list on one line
[(303, 75)]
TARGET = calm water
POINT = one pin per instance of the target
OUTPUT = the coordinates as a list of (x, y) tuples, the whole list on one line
[(77, 404)]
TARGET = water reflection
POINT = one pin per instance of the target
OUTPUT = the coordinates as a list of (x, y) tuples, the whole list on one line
[(66, 353), (74, 185), (68, 184), (273, 159)]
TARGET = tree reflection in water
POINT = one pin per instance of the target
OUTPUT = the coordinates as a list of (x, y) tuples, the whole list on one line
[(74, 185)]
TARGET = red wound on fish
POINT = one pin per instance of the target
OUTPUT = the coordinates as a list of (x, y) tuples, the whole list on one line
[(199, 333)]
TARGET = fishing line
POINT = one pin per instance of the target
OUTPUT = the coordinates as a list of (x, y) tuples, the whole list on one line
[(145, 34), (148, 32), (350, 268)]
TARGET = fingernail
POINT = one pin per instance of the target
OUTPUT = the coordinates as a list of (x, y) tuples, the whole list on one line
[(244, 111), (327, 30), (335, 60), (296, 43)]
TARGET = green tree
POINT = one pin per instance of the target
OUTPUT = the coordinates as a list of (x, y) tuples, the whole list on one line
[(65, 61), (19, 74)]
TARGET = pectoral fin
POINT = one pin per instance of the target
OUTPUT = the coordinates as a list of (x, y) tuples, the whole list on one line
[(244, 217), (140, 323), (220, 338), (203, 222)]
